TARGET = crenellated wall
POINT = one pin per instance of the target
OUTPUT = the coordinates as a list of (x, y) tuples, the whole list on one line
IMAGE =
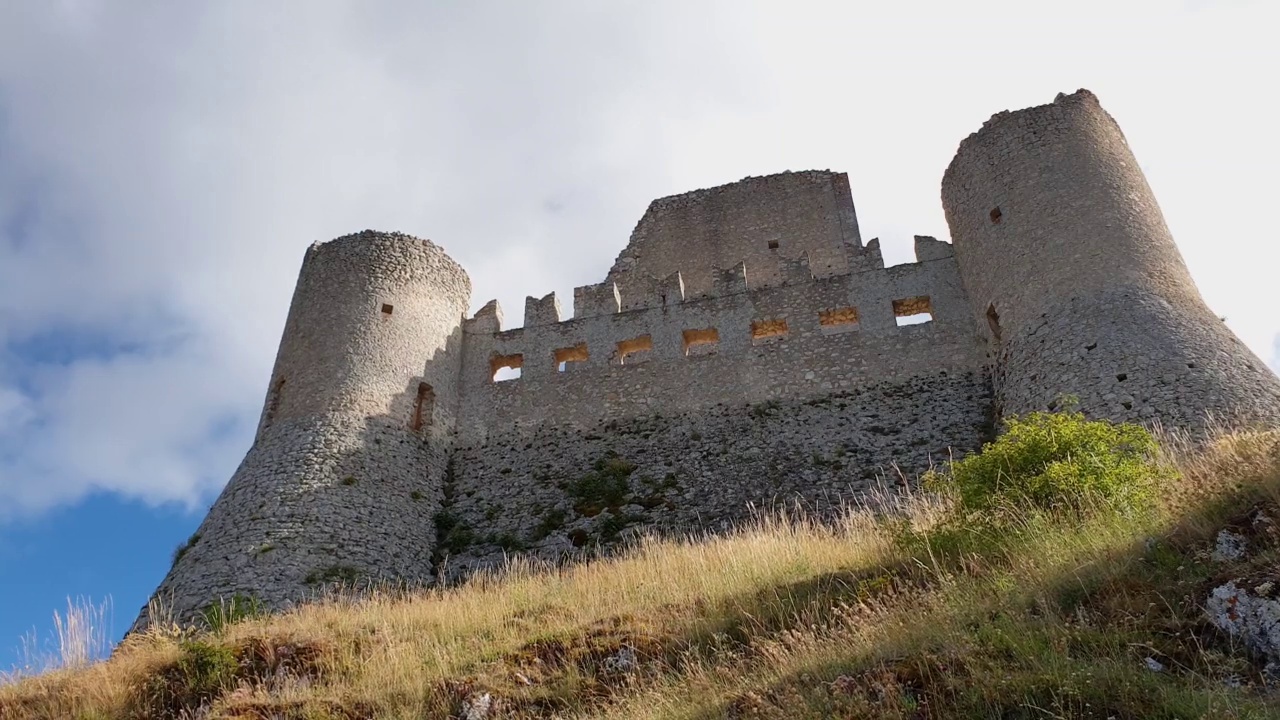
[(799, 337)]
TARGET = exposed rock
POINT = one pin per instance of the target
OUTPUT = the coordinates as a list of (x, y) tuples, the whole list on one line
[(1229, 546), (1254, 620)]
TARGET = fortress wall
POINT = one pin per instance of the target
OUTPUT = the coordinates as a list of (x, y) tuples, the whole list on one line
[(706, 469), (809, 360), (813, 418), (759, 220)]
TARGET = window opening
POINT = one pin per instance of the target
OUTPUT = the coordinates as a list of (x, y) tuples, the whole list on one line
[(913, 311), (768, 330), (387, 308), (701, 342), (773, 244), (505, 367), (838, 320), (566, 355), (996, 215), (423, 408), (633, 347), (993, 320)]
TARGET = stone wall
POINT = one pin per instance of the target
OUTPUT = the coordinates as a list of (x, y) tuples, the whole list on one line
[(553, 492)]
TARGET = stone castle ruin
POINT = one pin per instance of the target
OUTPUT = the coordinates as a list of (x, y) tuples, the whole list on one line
[(746, 349)]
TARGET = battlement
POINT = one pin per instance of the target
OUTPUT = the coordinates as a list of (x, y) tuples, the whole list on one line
[(801, 331)]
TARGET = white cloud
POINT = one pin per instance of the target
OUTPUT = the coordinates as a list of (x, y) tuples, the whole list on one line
[(163, 167)]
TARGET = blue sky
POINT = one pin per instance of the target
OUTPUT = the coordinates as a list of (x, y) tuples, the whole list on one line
[(163, 166)]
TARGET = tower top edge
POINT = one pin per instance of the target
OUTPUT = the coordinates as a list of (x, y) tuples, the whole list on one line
[(1006, 118), (390, 244)]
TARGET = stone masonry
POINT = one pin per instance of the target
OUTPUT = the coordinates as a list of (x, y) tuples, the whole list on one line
[(746, 351)]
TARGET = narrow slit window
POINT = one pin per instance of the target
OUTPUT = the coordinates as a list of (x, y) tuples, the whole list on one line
[(701, 342), (566, 356), (387, 308), (505, 367), (993, 321), (423, 407), (634, 351), (768, 330), (913, 311), (838, 320)]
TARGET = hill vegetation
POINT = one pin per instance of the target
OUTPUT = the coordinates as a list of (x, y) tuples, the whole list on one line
[(1067, 571)]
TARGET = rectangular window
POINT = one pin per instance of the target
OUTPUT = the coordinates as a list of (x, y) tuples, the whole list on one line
[(913, 310), (505, 367), (566, 355), (423, 408), (838, 320), (768, 330), (635, 350), (701, 342)]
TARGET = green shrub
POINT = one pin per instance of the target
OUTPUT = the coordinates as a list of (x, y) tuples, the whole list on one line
[(202, 671), (508, 542), (551, 522), (182, 549), (454, 534), (228, 611), (341, 574), (606, 486), (1055, 461)]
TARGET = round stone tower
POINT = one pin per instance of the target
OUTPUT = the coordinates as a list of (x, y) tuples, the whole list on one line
[(1077, 283), (346, 472)]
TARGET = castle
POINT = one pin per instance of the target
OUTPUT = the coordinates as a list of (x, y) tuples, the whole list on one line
[(745, 349)]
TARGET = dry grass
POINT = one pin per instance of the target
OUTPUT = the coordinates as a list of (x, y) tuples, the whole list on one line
[(786, 619), (80, 637)]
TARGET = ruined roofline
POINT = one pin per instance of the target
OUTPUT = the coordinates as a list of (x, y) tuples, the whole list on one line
[(694, 196), (607, 298)]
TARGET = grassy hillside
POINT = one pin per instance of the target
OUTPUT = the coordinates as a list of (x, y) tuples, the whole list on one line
[(1063, 574)]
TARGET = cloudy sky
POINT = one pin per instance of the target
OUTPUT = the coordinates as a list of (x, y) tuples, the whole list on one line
[(163, 166)]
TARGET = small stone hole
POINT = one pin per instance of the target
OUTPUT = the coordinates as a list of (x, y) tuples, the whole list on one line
[(1191, 365), (1127, 405), (386, 309), (1092, 346), (1122, 377), (773, 244), (996, 215)]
